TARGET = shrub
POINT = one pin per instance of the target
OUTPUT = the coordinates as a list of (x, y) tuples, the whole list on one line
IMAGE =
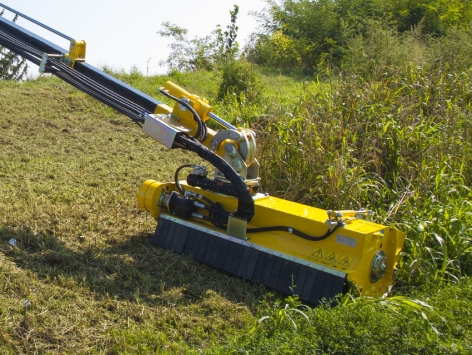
[(241, 80)]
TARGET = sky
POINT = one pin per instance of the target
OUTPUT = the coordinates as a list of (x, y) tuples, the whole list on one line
[(122, 33)]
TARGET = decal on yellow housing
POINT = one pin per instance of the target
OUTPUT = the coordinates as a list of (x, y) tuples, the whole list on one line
[(330, 257)]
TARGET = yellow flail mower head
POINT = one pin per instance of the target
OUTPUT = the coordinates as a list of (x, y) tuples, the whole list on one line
[(349, 249)]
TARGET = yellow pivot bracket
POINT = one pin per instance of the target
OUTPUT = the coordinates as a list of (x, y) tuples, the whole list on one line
[(76, 54)]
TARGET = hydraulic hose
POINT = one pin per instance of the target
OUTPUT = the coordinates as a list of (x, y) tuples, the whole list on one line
[(201, 133), (296, 232), (245, 202)]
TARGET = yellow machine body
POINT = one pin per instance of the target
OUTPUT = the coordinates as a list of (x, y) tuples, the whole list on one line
[(351, 250), (284, 243)]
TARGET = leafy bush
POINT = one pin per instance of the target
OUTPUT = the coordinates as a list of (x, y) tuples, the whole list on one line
[(240, 81), (306, 36)]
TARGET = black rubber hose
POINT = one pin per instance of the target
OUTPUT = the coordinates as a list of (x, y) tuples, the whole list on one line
[(245, 202), (295, 232), (201, 133), (112, 99), (176, 177)]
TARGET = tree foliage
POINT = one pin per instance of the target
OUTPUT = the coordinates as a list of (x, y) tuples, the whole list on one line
[(201, 53), (435, 16), (12, 66), (301, 35), (186, 54), (226, 44), (218, 51)]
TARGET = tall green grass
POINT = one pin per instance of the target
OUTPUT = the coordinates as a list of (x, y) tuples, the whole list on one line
[(395, 139)]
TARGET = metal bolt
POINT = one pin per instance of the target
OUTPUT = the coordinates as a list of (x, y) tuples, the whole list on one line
[(230, 149), (236, 165), (213, 145), (235, 136), (182, 107)]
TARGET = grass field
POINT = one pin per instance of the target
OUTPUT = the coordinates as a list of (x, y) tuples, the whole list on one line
[(84, 279)]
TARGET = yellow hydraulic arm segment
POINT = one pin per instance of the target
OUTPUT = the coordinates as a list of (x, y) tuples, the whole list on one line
[(236, 146)]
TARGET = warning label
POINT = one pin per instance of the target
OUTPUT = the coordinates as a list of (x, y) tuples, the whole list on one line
[(318, 254), (345, 261), (330, 257)]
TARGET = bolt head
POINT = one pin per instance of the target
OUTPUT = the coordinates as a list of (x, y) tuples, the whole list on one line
[(236, 165), (230, 149), (235, 136)]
